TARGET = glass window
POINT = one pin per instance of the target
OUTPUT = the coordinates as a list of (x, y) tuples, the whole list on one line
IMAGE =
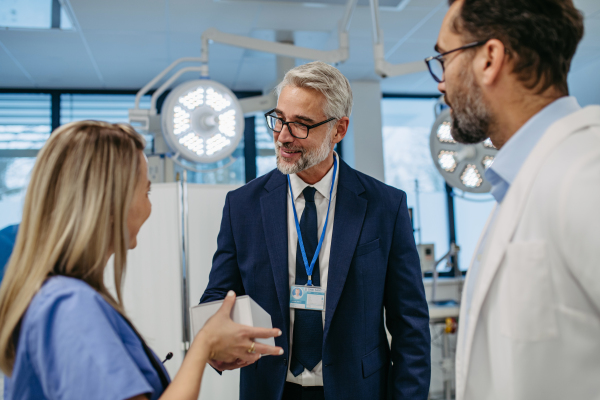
[(471, 212), (407, 165), (24, 128), (265, 148), (24, 121), (14, 178), (113, 108)]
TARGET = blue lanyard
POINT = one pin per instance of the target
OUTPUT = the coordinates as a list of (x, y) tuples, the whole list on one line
[(309, 269)]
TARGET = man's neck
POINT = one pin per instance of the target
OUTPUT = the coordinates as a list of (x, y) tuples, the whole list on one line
[(314, 174), (514, 113)]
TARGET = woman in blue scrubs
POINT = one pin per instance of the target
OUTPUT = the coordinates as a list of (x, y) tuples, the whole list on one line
[(62, 334)]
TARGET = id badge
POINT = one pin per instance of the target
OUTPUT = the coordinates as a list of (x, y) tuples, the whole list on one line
[(307, 297)]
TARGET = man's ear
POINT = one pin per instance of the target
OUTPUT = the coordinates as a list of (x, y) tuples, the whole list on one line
[(341, 128), (489, 61)]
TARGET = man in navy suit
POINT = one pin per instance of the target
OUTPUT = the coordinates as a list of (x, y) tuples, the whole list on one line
[(357, 250)]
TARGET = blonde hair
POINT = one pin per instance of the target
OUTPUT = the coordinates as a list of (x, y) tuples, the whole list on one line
[(75, 213), (326, 79)]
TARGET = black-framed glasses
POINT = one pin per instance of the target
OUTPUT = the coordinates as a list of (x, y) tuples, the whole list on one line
[(436, 63), (297, 129)]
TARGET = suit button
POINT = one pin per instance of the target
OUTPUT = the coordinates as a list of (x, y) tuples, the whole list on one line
[(285, 362)]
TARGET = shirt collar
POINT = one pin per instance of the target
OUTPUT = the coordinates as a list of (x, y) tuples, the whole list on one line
[(509, 160), (323, 186)]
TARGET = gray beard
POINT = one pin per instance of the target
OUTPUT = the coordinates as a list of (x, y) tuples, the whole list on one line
[(308, 158), (471, 118)]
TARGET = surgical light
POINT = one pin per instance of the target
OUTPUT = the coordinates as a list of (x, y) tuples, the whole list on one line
[(202, 121), (487, 161), (488, 143), (444, 132), (461, 165), (447, 160), (471, 177)]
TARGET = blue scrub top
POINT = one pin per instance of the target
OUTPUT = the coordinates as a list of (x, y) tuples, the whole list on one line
[(74, 345)]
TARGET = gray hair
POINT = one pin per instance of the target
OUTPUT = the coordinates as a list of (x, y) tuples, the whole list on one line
[(326, 79)]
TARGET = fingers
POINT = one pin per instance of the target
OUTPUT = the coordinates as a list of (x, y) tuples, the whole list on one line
[(263, 333), (228, 366), (232, 366), (218, 365), (228, 303), (266, 349), (249, 358)]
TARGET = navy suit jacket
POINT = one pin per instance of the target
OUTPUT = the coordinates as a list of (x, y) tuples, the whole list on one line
[(373, 265)]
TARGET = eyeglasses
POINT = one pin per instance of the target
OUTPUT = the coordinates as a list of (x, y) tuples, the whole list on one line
[(297, 129), (436, 63)]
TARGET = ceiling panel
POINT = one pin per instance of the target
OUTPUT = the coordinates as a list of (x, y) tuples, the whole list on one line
[(53, 58), (411, 50), (418, 83), (142, 55), (136, 15), (197, 16), (10, 74), (133, 40), (255, 74)]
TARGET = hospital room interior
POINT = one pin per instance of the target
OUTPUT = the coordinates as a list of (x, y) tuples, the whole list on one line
[(198, 80)]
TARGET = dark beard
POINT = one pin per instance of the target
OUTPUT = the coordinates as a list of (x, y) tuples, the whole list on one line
[(471, 119)]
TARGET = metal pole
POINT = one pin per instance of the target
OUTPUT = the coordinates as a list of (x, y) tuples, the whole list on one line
[(452, 228), (445, 356), (183, 214), (375, 20), (418, 209)]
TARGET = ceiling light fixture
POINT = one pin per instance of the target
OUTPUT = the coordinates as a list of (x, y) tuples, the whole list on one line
[(202, 121)]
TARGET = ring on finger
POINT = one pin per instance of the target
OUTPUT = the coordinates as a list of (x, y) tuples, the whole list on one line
[(251, 350)]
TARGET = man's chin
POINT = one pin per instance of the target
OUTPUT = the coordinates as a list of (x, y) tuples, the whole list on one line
[(287, 167), (447, 102)]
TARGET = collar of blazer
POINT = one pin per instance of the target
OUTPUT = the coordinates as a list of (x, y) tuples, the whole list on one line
[(350, 210), (510, 214)]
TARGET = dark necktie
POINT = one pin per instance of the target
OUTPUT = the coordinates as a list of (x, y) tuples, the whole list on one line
[(307, 347)]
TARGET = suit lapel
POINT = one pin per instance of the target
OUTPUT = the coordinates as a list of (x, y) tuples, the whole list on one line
[(274, 216), (350, 210), (510, 214)]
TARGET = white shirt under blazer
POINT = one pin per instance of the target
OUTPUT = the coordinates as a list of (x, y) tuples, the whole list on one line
[(534, 320), (314, 377)]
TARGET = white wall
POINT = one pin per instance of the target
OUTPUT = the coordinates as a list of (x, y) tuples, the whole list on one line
[(363, 144)]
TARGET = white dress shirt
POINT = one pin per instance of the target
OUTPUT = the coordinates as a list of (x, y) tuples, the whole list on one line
[(314, 377)]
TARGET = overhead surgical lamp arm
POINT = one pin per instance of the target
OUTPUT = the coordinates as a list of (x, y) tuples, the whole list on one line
[(158, 77), (382, 67), (168, 83), (283, 49)]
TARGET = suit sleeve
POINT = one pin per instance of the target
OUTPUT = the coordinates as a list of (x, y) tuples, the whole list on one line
[(225, 273), (407, 314)]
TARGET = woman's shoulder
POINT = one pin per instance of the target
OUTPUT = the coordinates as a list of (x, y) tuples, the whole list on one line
[(63, 296), (60, 288)]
